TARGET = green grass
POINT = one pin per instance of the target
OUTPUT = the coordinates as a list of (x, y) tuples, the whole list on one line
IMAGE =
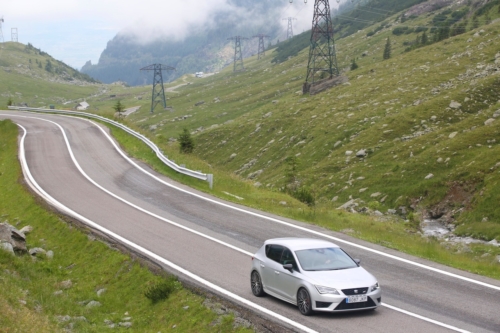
[(28, 302)]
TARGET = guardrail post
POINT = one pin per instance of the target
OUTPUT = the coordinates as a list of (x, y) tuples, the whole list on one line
[(210, 179)]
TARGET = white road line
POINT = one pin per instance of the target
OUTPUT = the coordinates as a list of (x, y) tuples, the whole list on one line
[(453, 328), (153, 255), (178, 268), (317, 233)]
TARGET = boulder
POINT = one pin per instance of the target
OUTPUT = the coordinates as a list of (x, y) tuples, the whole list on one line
[(455, 105), (489, 122), (361, 153), (9, 234)]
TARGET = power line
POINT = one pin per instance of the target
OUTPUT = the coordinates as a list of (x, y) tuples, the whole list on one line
[(238, 56), (262, 48), (158, 95)]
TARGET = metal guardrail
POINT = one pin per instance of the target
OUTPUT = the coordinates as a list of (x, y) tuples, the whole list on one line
[(196, 174)]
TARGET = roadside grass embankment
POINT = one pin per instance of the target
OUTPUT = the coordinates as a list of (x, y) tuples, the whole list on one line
[(53, 295)]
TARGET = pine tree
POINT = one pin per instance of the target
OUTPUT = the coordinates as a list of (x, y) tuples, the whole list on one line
[(354, 65), (425, 39), (186, 142), (387, 50), (119, 107)]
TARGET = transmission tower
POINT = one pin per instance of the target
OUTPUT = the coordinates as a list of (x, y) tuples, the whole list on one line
[(1, 33), (238, 56), (322, 57), (158, 95), (13, 33), (262, 48), (289, 32)]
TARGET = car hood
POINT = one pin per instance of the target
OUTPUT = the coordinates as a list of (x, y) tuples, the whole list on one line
[(342, 279)]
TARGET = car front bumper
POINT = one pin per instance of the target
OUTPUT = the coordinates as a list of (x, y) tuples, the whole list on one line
[(338, 303)]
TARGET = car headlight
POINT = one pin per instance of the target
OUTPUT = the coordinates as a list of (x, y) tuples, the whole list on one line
[(326, 290), (374, 287)]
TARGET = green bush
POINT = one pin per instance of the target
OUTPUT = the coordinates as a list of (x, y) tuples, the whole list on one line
[(161, 290), (304, 195), (186, 142)]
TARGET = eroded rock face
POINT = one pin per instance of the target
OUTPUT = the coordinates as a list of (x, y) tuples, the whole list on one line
[(10, 235)]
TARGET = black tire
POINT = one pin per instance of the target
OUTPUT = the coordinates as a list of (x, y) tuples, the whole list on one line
[(256, 284), (304, 302)]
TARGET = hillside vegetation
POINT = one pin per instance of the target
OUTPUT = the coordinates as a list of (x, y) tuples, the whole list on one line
[(424, 122)]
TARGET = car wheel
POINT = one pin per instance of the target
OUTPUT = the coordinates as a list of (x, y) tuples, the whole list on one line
[(256, 284), (304, 302)]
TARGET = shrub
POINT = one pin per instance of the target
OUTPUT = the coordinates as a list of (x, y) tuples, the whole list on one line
[(304, 195), (354, 65), (161, 290)]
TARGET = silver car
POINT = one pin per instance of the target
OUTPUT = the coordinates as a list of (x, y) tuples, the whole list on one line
[(313, 274)]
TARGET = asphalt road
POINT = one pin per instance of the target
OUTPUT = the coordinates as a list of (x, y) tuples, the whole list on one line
[(211, 243)]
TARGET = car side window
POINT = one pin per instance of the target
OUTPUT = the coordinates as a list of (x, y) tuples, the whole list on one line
[(274, 252), (287, 258)]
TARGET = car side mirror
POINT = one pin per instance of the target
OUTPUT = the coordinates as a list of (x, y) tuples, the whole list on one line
[(288, 267), (357, 261)]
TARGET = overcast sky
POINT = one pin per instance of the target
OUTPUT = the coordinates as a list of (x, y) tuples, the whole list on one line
[(76, 31)]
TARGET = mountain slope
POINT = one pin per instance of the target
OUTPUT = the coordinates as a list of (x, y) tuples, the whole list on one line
[(423, 122)]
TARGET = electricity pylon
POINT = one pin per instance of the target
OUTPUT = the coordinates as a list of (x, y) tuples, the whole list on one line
[(289, 31), (262, 48), (13, 33), (158, 95), (238, 56), (322, 56), (322, 62), (1, 32)]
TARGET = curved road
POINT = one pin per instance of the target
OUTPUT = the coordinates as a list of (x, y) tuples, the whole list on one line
[(209, 242)]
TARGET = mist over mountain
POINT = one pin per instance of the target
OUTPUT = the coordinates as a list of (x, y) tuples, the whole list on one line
[(202, 46)]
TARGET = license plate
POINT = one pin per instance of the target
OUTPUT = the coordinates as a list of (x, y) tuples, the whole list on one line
[(356, 299)]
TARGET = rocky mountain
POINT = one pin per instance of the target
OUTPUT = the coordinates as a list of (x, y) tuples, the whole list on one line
[(206, 49)]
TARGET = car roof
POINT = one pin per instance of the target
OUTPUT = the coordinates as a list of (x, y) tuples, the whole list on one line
[(295, 243)]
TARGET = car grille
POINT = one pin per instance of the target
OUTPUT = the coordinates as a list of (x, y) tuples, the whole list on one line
[(355, 291), (352, 306)]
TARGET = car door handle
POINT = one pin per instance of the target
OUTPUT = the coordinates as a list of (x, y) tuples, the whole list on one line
[(262, 265), (276, 272)]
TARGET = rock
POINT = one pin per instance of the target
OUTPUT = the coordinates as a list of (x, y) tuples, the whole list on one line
[(63, 319), (348, 153), (498, 259), (334, 199), (433, 118), (93, 304), (126, 324), (361, 153), (494, 243), (58, 292), (283, 203), (27, 229), (377, 213), (452, 135), (7, 247), (440, 160), (199, 103), (489, 122), (455, 105), (50, 254), (375, 195), (496, 114), (233, 156), (338, 143), (37, 251), (383, 199), (429, 176), (9, 234), (186, 307), (363, 190), (66, 284), (349, 204), (275, 101), (100, 292), (391, 211), (402, 209)]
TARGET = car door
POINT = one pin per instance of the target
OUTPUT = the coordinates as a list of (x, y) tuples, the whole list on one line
[(286, 282), (273, 254)]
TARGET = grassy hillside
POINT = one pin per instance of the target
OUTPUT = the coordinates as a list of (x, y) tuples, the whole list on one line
[(259, 126)]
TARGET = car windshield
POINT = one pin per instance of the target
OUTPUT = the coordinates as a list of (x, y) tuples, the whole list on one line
[(326, 259)]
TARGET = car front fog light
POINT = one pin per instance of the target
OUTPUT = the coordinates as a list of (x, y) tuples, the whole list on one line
[(374, 287), (327, 290)]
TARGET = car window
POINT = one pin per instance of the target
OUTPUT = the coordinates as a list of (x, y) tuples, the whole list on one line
[(287, 258), (324, 259), (274, 252)]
